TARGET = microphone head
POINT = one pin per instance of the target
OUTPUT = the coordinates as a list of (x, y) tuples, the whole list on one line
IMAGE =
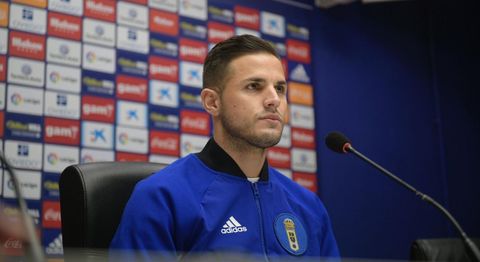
[(337, 142)]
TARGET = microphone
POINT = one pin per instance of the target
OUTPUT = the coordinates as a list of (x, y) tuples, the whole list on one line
[(339, 143), (35, 247)]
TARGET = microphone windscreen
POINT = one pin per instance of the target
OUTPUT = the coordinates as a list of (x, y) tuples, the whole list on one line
[(336, 141)]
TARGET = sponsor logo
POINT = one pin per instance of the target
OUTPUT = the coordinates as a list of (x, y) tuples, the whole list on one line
[(302, 116), (98, 83), (309, 181), (51, 214), (192, 50), (131, 140), (163, 22), (2, 117), (132, 39), (298, 51), (27, 45), (4, 7), (26, 72), (195, 122), (161, 159), (191, 98), (279, 157), (163, 69), (11, 246), (279, 47), (218, 32), (97, 135), (298, 32), (167, 5), (51, 188), (130, 157), (159, 46), (36, 3), (163, 93), (63, 51), (98, 32), (23, 128), (132, 88), (55, 247), (232, 226), (62, 105), (99, 58), (164, 120), (66, 6), (285, 141), (57, 158), (191, 144), (272, 24), (100, 9), (134, 64), (25, 100), (65, 26), (194, 9), (93, 155), (304, 160), (3, 40), (220, 14), (191, 74), (165, 143), (62, 131), (63, 78), (132, 15), (3, 68), (247, 17), (29, 181), (131, 114), (189, 29), (28, 19), (285, 172), (98, 109), (303, 138), (300, 93), (299, 74)]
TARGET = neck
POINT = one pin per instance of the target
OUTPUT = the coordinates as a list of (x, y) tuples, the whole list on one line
[(249, 158)]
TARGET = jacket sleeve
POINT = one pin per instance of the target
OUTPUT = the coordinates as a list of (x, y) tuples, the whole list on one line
[(146, 229)]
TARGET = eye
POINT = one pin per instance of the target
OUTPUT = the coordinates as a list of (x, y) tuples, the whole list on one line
[(281, 89), (253, 86)]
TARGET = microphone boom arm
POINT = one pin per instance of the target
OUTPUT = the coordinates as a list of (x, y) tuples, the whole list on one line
[(475, 252)]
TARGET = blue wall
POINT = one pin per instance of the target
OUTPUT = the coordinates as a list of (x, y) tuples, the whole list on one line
[(400, 80)]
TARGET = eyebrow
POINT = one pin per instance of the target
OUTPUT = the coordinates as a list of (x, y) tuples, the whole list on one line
[(261, 80)]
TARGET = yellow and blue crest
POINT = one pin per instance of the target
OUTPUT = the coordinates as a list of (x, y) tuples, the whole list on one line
[(291, 234)]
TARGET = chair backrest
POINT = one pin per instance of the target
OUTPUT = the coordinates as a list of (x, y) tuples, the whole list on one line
[(440, 249), (92, 199)]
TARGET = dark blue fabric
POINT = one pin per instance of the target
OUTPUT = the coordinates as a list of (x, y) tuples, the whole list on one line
[(182, 209)]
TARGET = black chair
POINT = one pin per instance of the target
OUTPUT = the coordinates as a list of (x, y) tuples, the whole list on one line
[(440, 249), (92, 198)]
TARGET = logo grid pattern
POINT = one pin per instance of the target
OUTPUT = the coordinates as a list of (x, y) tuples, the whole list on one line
[(99, 80)]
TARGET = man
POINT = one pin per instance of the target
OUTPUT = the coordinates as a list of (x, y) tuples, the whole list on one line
[(226, 198)]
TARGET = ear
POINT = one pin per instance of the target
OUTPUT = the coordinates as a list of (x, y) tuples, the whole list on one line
[(210, 101)]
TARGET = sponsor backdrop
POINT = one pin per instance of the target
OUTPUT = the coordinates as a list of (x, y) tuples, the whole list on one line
[(100, 80)]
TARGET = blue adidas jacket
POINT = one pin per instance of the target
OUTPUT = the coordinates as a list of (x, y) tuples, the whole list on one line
[(189, 208)]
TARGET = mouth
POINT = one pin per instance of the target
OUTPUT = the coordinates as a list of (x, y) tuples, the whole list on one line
[(271, 117)]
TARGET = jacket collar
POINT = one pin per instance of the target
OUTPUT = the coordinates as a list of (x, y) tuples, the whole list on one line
[(217, 159)]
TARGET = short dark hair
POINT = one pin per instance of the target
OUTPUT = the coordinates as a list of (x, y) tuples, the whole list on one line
[(215, 68)]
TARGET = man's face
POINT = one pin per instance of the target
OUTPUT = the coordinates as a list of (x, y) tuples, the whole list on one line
[(253, 101)]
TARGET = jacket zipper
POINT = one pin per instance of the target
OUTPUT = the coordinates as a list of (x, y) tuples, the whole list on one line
[(256, 194)]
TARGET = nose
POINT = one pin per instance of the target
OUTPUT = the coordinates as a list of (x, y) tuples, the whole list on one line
[(272, 99)]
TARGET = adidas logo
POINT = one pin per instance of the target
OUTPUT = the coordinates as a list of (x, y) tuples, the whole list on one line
[(55, 247), (232, 226)]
